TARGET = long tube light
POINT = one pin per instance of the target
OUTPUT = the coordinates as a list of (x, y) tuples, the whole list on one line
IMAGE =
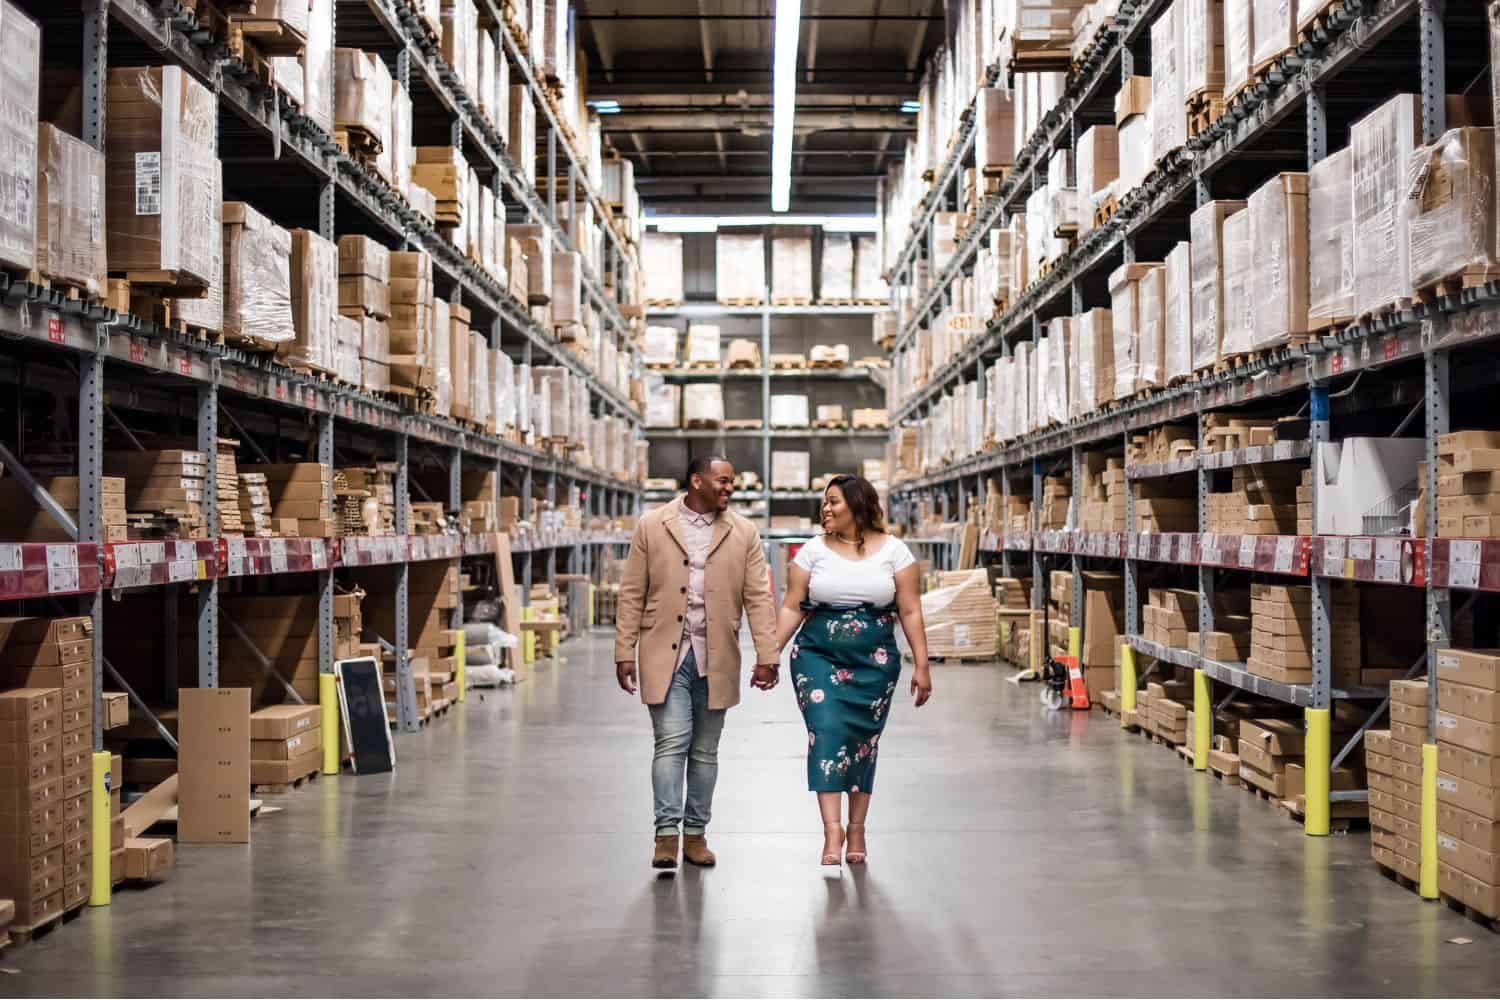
[(711, 223), (784, 100)]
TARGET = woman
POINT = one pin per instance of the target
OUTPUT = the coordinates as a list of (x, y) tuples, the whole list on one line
[(844, 592)]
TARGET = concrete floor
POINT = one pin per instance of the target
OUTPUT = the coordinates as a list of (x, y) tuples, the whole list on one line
[(1013, 851)]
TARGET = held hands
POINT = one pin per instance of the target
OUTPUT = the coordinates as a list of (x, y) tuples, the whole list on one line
[(625, 675), (921, 685), (766, 676)]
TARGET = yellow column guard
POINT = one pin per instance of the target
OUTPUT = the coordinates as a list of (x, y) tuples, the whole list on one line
[(1315, 822)]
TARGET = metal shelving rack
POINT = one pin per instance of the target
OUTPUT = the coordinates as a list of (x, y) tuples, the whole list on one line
[(294, 173), (767, 313), (1423, 334)]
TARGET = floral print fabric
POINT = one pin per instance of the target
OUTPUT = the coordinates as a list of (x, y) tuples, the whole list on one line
[(844, 670)]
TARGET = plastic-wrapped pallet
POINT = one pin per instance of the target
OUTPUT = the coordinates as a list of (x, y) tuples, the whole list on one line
[(1382, 143), (1239, 304), (1330, 241), (559, 406), (789, 410), (740, 267), (661, 267), (1451, 209), (836, 269), (317, 65), (791, 267), (1135, 152), (703, 346), (869, 286), (1083, 372), (1177, 321), (374, 350), (790, 470), (1275, 28), (505, 390), (1125, 320), (1239, 44), (161, 142), (1098, 165), (522, 131), (541, 408), (1168, 99), (1021, 389), (567, 288), (1203, 46), (994, 130), (69, 210), (1152, 340), (523, 400), (959, 616), (660, 346), (315, 302), (362, 94), (460, 41), (451, 385), (347, 337), (1207, 232), (703, 405), (1054, 372), (663, 404), (206, 312), (1020, 254), (1279, 276), (1062, 200)]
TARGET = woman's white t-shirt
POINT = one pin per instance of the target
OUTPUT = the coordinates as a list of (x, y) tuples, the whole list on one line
[(845, 582)]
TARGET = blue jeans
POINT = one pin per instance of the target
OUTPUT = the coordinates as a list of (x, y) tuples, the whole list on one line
[(687, 740)]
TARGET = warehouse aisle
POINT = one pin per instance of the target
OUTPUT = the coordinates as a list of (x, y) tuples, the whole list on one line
[(1012, 851)]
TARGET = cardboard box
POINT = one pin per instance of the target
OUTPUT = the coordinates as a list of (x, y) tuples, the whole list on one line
[(284, 772), (30, 705), (1481, 737), (214, 765), (148, 859), (1478, 668), (283, 722), (286, 748), (1481, 800), (1382, 143)]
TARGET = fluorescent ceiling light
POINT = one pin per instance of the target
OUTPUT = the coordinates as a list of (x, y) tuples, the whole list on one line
[(710, 223), (910, 107), (784, 100), (605, 107)]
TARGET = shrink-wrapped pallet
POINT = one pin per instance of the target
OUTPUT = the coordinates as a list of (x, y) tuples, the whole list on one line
[(522, 131), (790, 470), (1053, 371), (505, 389), (69, 211), (663, 404), (1151, 342), (959, 616), (740, 267), (450, 361), (791, 267), (994, 131), (480, 376), (317, 65), (403, 152), (486, 45), (1168, 98), (1382, 143), (1177, 314), (1092, 371), (523, 400), (703, 345), (659, 346), (567, 288), (315, 302), (1451, 209), (789, 410), (1203, 46), (1239, 304), (1279, 263), (1275, 29), (374, 350), (1098, 165), (559, 402), (460, 41), (257, 279), (541, 406), (362, 96), (1239, 44), (836, 269), (161, 206), (1125, 319), (411, 328), (702, 405), (661, 267), (346, 342), (20, 94), (869, 285), (1207, 233), (205, 312), (1330, 241), (1135, 152)]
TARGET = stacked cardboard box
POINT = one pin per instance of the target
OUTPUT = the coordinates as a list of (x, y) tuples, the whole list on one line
[(1103, 624), (1262, 500), (301, 499), (960, 616), (315, 303), (25, 521), (1281, 617), (1167, 443), (257, 278), (1017, 514), (227, 488), (255, 505), (69, 233), (1229, 642), (1161, 708), (1169, 615), (1163, 505), (32, 853), (285, 743), (164, 490), (1468, 737), (1305, 503), (1057, 491), (367, 499), (411, 329), (1395, 792), (364, 278), (1468, 504), (1266, 748), (1103, 493)]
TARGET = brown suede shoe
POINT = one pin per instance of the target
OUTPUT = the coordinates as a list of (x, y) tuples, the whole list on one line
[(665, 855), (695, 851)]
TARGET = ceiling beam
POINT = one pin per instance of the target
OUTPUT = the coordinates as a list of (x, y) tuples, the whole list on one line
[(707, 41), (898, 90), (862, 18)]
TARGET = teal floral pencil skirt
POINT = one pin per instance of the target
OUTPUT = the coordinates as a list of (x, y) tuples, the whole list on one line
[(844, 669)]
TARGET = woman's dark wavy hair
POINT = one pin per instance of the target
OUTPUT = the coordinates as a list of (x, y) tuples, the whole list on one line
[(864, 505)]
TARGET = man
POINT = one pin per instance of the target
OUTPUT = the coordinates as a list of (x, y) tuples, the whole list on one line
[(694, 568)]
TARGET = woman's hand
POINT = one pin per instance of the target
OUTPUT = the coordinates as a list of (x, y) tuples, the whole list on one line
[(921, 685)]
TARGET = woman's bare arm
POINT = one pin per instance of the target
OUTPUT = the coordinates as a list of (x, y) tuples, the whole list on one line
[(909, 604), (789, 616)]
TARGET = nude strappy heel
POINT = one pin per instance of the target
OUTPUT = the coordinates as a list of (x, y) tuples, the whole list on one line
[(833, 858), (851, 855)]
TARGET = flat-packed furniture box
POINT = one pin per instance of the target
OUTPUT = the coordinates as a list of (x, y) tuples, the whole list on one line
[(1207, 270), (161, 203), (300, 495), (740, 267), (1279, 263), (27, 522), (412, 325), (1451, 211), (70, 179), (959, 615), (1382, 143), (1468, 740), (1330, 241), (362, 105), (257, 277), (286, 743), (1281, 622), (20, 93), (364, 277), (315, 303), (213, 789), (31, 802)]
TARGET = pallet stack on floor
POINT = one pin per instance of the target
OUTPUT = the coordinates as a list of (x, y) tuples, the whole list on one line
[(1468, 744)]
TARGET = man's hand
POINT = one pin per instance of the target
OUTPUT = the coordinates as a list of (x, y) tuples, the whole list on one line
[(766, 676), (625, 674)]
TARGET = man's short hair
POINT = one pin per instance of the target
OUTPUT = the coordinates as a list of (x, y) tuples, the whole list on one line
[(701, 466)]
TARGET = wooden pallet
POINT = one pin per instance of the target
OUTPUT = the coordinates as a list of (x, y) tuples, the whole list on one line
[(282, 789), (658, 366), (1204, 107), (1328, 327), (742, 366), (23, 933), (166, 283), (1382, 314), (1313, 23), (827, 365), (1106, 210), (697, 424), (743, 424), (1457, 284), (1042, 59), (787, 366), (271, 37), (748, 301), (358, 142), (1458, 906), (1405, 882), (704, 366), (795, 301), (830, 425)]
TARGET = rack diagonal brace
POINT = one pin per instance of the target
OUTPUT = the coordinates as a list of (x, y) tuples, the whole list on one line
[(265, 663)]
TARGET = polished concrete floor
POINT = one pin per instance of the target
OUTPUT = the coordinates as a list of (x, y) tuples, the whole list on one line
[(1013, 851)]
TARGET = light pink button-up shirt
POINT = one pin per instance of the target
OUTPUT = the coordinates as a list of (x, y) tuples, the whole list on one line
[(697, 533)]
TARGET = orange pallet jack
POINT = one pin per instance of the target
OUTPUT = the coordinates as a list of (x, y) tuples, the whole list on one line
[(1062, 676)]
